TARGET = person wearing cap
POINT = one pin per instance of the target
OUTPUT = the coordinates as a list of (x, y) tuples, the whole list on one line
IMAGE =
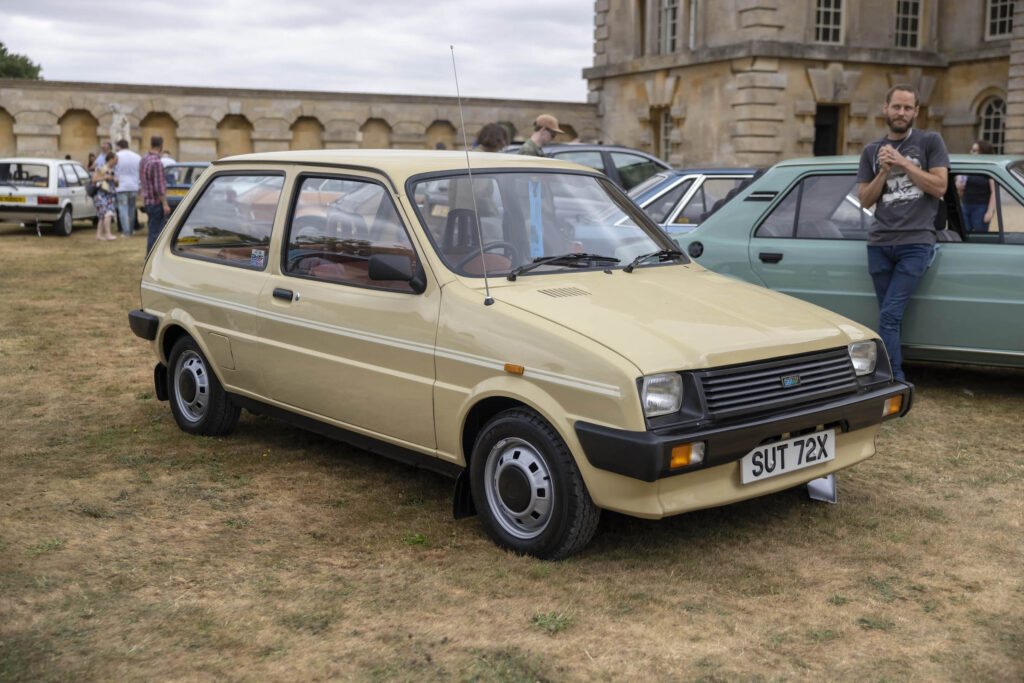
[(545, 128)]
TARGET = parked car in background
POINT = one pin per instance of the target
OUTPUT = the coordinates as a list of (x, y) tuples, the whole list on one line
[(48, 191), (549, 347), (678, 200), (626, 167), (180, 177), (799, 229)]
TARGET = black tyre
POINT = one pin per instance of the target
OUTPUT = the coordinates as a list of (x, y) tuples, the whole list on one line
[(527, 489), (63, 225), (198, 401)]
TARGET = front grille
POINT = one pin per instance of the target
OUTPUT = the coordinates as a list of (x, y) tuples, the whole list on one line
[(762, 386)]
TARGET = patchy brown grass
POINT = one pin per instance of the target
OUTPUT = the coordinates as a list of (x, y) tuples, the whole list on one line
[(130, 550)]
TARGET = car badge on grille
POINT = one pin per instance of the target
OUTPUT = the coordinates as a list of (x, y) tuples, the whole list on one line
[(790, 381)]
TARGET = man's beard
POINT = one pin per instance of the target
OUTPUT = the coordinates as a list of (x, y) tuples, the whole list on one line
[(898, 127)]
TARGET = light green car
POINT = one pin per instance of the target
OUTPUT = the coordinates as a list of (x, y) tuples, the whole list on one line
[(799, 229)]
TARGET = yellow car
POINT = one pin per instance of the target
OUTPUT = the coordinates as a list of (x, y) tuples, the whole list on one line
[(540, 339)]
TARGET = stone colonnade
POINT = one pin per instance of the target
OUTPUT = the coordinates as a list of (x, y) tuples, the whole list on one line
[(53, 118)]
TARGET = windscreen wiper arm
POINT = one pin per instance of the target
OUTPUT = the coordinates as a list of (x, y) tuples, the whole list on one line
[(661, 254), (571, 259)]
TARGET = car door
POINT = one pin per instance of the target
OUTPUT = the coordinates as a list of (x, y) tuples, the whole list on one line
[(811, 244), (971, 299), (74, 190), (336, 345), (88, 208)]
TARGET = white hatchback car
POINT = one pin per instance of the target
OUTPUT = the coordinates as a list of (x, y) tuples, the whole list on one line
[(34, 191)]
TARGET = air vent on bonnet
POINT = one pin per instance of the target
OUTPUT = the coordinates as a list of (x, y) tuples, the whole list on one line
[(559, 292)]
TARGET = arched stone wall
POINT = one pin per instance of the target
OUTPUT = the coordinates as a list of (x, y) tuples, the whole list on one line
[(443, 132), (234, 136), (376, 134), (159, 123), (77, 134), (307, 133), (8, 143)]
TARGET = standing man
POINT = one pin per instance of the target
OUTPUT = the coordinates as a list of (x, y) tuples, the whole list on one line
[(99, 161), (127, 188), (545, 128), (154, 190), (905, 173)]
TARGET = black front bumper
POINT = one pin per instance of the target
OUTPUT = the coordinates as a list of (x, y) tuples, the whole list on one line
[(645, 455)]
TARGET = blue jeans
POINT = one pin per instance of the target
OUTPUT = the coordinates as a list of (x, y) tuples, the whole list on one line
[(127, 216), (155, 213), (896, 272), (974, 217)]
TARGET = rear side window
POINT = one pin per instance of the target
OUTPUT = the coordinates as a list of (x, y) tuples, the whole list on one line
[(661, 207), (337, 225), (68, 176), (82, 174), (711, 191), (633, 169), (591, 159), (819, 207), (232, 220)]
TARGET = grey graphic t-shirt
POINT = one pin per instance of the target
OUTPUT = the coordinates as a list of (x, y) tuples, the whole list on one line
[(904, 214)]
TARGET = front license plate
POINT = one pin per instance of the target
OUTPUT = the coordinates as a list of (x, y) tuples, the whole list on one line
[(176, 193), (773, 459), (18, 200)]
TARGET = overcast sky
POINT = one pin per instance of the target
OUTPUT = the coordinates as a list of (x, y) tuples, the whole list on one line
[(527, 49)]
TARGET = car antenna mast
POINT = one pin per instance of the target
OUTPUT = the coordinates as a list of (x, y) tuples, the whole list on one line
[(488, 300)]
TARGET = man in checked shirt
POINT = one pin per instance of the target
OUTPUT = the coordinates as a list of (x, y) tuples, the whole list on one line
[(154, 190)]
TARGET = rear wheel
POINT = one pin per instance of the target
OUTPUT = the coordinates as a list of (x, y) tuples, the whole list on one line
[(198, 401), (63, 225), (527, 489)]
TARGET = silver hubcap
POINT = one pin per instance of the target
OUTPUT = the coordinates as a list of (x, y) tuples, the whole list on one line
[(518, 487), (191, 386)]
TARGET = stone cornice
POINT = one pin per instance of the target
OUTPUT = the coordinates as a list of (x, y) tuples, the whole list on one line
[(777, 49), (198, 91)]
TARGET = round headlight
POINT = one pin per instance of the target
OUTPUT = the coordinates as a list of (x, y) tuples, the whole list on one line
[(662, 394)]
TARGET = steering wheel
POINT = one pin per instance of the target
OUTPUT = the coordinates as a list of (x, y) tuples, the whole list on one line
[(510, 253)]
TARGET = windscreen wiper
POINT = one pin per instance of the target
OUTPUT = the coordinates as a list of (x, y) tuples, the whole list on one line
[(661, 254), (574, 260)]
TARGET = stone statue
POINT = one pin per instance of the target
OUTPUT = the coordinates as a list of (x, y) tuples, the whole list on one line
[(120, 128)]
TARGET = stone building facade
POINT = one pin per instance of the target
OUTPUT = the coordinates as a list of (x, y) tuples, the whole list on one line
[(750, 82), (54, 118)]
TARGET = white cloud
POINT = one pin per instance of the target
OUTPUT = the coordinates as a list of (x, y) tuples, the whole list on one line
[(526, 49)]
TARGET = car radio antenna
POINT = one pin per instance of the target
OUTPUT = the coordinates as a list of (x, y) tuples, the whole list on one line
[(488, 300)]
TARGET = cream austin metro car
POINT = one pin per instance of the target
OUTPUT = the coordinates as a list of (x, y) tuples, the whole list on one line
[(533, 334)]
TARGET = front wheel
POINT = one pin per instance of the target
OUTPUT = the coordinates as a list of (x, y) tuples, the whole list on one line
[(63, 225), (527, 488), (198, 401)]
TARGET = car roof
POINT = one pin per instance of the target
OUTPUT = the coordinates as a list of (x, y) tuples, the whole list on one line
[(187, 163), (401, 163), (851, 159), (37, 160)]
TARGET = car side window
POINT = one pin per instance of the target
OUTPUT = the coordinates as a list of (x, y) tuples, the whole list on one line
[(82, 174), (661, 207), (710, 192), (337, 225), (232, 220), (633, 169), (819, 207), (591, 159), (70, 177)]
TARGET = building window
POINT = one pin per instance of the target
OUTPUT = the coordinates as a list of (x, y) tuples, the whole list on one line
[(828, 21), (664, 142), (993, 123), (908, 23), (666, 26), (999, 19)]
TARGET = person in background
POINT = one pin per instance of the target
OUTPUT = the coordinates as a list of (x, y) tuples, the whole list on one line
[(90, 165), (545, 128), (127, 188), (166, 159), (978, 194), (154, 191), (492, 138), (104, 199), (105, 149)]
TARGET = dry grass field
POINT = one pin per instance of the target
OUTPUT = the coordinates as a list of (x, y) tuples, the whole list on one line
[(132, 551)]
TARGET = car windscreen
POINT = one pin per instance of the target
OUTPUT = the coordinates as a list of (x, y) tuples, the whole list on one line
[(28, 175), (525, 217)]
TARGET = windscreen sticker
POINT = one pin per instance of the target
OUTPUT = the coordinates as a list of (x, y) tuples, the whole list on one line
[(257, 258)]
